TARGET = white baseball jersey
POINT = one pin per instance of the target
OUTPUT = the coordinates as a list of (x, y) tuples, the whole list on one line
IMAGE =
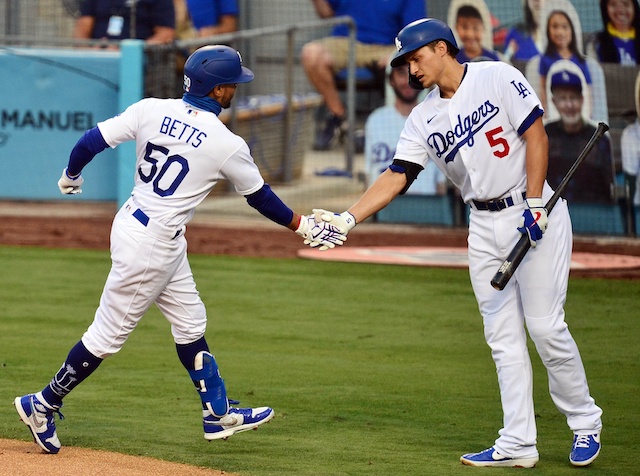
[(182, 152), (470, 136)]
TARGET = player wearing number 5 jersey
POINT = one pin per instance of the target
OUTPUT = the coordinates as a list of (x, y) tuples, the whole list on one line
[(182, 150), (482, 126)]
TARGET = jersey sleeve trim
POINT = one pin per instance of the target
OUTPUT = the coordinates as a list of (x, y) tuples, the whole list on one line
[(531, 118)]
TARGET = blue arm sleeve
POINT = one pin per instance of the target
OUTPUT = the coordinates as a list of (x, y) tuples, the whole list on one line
[(85, 150), (270, 205)]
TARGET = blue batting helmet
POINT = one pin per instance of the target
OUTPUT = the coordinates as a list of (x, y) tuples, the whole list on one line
[(418, 34), (210, 66)]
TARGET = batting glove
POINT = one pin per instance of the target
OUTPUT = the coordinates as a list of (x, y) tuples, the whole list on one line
[(319, 234), (345, 221), (534, 220), (70, 185)]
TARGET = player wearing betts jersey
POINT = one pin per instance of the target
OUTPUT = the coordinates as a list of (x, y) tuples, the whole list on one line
[(182, 150), (482, 126)]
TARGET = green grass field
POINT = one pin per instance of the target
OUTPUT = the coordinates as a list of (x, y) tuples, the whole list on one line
[(371, 369)]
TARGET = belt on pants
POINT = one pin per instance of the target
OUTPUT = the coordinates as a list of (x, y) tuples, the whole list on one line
[(155, 228), (497, 204), (144, 219)]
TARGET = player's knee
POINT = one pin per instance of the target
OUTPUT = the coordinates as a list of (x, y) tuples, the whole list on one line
[(552, 339), (188, 332), (187, 339), (99, 345)]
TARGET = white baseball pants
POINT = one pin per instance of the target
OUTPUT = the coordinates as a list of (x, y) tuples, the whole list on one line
[(149, 265), (534, 298)]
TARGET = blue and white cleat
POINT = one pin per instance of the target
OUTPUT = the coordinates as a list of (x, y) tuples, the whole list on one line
[(38, 416), (586, 448), (235, 421), (491, 457)]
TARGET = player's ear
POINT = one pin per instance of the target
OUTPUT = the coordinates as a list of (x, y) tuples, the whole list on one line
[(216, 92)]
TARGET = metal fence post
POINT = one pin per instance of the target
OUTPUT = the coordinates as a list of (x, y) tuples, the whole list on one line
[(288, 115)]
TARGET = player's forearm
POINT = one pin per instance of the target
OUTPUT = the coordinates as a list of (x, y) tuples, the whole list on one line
[(270, 206), (90, 144), (537, 159), (388, 185), (295, 222)]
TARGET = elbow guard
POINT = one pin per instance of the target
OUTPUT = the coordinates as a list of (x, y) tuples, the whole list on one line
[(410, 169)]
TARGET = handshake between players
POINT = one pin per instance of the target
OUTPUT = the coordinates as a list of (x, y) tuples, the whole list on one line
[(325, 229)]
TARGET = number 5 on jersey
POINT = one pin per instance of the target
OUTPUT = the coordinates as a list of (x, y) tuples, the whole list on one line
[(499, 144)]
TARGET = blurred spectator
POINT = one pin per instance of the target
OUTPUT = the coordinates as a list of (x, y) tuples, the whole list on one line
[(562, 43), (213, 17), (184, 27), (382, 131), (521, 43), (470, 28), (568, 136), (499, 33), (630, 150), (378, 22), (619, 41), (155, 20)]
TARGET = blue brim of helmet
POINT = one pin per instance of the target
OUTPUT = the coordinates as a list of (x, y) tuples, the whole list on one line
[(398, 59), (246, 76)]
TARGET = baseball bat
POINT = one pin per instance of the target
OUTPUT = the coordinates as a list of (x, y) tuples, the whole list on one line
[(509, 266)]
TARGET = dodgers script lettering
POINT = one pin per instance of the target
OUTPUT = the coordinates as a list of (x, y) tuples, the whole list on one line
[(463, 132)]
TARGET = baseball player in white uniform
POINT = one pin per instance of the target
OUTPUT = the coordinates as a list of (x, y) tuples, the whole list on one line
[(182, 150), (482, 126)]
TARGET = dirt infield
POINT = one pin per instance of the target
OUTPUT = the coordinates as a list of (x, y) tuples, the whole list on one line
[(20, 458), (88, 228), (264, 239)]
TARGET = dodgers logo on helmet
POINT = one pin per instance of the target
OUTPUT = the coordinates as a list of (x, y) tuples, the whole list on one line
[(418, 34)]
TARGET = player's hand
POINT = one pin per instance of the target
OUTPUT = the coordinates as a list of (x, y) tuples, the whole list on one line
[(534, 220), (345, 221), (319, 234), (70, 185)]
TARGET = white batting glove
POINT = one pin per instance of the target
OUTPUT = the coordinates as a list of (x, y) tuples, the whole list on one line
[(70, 185), (534, 220), (319, 234), (345, 221)]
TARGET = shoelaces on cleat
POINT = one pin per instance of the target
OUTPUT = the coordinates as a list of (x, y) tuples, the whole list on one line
[(582, 441)]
